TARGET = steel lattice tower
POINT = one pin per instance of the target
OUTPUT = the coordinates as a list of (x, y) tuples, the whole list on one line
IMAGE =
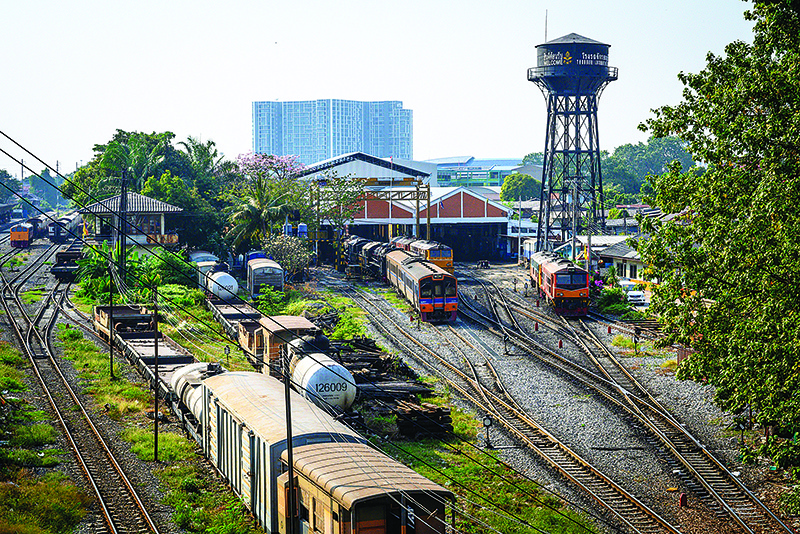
[(571, 72)]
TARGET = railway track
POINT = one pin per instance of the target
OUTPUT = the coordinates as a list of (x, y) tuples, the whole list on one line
[(492, 399), (699, 469), (121, 509)]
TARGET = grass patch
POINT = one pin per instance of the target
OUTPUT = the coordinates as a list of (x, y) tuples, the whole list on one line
[(34, 506), (622, 342), (474, 475), (32, 436), (200, 504), (11, 378), (32, 296), (171, 446), (121, 397)]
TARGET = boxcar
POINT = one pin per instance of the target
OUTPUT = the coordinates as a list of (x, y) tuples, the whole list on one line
[(430, 289), (341, 483), (263, 272), (21, 235)]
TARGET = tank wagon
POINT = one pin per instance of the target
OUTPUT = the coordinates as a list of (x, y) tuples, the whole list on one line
[(269, 341), (341, 483), (561, 282), (65, 228)]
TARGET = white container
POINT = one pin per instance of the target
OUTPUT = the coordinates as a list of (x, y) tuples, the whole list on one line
[(222, 285), (324, 382)]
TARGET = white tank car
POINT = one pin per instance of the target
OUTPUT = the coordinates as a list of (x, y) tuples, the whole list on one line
[(186, 383), (222, 285), (319, 378)]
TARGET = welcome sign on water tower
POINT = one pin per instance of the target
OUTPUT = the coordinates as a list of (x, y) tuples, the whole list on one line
[(570, 60)]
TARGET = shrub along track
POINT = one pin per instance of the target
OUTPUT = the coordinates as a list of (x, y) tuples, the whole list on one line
[(701, 471), (120, 506)]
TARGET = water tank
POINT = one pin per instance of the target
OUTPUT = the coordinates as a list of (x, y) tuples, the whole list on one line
[(572, 64), (222, 285), (324, 382), (186, 383)]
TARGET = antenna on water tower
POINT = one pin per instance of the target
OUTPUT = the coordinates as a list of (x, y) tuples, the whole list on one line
[(545, 25)]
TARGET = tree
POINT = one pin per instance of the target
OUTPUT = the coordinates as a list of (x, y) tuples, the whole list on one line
[(290, 252), (534, 158), (340, 198), (8, 186), (211, 170), (629, 165), (729, 261), (518, 186)]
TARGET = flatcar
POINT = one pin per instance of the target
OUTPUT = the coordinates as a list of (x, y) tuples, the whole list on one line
[(66, 227), (430, 289), (341, 483), (22, 235), (263, 272), (65, 268), (561, 282)]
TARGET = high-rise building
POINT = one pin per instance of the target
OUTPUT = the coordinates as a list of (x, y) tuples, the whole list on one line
[(317, 130)]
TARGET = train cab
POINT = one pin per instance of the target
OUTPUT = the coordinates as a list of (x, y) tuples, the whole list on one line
[(21, 235), (434, 252)]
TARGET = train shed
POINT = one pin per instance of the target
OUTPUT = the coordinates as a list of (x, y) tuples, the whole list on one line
[(473, 225)]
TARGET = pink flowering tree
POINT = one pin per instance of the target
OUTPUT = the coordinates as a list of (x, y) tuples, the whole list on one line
[(268, 194)]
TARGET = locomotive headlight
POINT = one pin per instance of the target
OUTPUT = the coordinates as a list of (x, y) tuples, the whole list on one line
[(561, 294)]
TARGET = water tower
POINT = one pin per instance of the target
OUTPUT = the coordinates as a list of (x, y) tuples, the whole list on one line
[(572, 72)]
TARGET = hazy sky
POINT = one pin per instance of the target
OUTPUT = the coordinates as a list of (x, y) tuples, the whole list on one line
[(75, 71)]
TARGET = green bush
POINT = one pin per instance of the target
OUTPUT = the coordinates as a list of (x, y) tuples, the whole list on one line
[(615, 309), (610, 296)]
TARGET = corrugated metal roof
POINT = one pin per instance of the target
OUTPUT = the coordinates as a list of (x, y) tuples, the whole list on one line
[(353, 472), (136, 204), (258, 401)]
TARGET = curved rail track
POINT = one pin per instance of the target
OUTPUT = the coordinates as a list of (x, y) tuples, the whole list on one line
[(121, 508), (702, 472), (624, 507)]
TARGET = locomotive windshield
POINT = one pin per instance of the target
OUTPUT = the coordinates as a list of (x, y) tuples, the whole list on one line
[(571, 280), (426, 289), (450, 288)]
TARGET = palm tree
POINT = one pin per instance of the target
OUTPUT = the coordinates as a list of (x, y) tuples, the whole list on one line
[(133, 160), (211, 170), (257, 212)]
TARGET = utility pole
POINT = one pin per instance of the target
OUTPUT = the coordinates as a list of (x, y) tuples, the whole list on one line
[(123, 214), (155, 354), (292, 505), (110, 319)]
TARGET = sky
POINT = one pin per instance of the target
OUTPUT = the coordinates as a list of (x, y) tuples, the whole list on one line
[(75, 72)]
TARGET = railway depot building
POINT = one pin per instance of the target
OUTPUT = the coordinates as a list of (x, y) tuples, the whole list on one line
[(474, 226)]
